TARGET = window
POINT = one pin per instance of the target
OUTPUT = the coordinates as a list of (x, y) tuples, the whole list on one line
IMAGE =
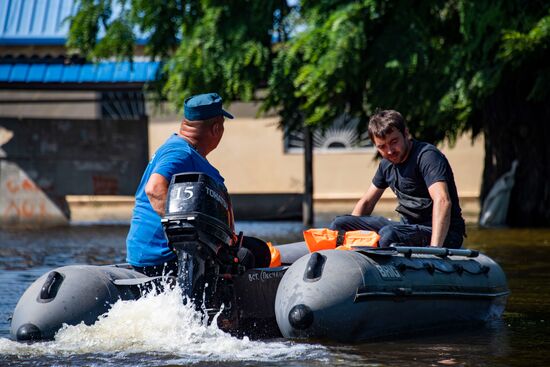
[(342, 136)]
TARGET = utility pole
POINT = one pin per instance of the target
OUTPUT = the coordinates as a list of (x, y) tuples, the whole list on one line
[(307, 203)]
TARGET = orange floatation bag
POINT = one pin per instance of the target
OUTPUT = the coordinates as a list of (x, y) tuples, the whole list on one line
[(275, 255), (327, 239)]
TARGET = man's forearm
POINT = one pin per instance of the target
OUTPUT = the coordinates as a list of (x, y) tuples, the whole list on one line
[(366, 204), (156, 191), (158, 202), (361, 208), (441, 218)]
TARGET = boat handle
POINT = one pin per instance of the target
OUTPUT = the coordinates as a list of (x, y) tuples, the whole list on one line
[(437, 251), (50, 286), (314, 268)]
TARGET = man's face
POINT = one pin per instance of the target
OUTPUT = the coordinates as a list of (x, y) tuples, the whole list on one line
[(394, 146)]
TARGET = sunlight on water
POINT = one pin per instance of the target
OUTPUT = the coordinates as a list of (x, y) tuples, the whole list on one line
[(160, 323)]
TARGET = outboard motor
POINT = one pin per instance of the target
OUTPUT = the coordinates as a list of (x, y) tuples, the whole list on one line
[(217, 270), (199, 226)]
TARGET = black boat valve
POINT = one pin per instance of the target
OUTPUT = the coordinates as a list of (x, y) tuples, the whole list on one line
[(300, 317)]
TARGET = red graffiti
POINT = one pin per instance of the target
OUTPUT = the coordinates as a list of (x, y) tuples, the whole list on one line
[(12, 207), (24, 200), (12, 187), (42, 205), (25, 185), (28, 185), (26, 208)]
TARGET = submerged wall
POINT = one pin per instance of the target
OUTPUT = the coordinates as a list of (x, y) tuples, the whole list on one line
[(72, 150), (23, 203)]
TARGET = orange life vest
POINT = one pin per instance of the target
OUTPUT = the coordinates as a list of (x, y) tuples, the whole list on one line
[(275, 256), (327, 239)]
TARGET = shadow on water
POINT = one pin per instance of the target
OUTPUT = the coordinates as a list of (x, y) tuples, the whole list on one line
[(521, 337), (101, 244), (61, 246)]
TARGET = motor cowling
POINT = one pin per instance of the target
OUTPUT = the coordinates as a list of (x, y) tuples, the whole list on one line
[(197, 206), (199, 227)]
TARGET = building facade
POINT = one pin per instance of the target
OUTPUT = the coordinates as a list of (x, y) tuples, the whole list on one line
[(75, 137), (67, 127)]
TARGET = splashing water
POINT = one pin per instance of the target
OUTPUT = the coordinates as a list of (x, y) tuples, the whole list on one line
[(161, 324)]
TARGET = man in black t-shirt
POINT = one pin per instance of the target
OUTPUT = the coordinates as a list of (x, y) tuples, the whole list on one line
[(421, 178)]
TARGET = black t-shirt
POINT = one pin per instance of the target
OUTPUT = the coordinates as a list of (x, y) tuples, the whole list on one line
[(410, 180)]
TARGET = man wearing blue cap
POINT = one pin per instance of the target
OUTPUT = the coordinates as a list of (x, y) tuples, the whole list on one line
[(200, 133)]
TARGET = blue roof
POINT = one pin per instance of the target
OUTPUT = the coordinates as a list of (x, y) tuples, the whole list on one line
[(104, 72), (25, 22), (40, 22)]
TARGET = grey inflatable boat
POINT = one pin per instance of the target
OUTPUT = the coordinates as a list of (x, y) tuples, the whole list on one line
[(364, 294), (337, 295)]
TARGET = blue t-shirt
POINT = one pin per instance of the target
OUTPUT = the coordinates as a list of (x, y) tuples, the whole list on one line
[(410, 180), (146, 243)]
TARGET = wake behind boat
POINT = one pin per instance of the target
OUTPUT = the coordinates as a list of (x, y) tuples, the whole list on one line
[(338, 295)]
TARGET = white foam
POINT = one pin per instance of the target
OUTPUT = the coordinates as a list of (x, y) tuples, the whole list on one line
[(160, 323)]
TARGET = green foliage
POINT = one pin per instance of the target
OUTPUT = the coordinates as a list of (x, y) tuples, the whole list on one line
[(437, 62), (116, 41), (161, 20), (85, 25), (206, 45), (223, 52), (520, 49), (448, 66)]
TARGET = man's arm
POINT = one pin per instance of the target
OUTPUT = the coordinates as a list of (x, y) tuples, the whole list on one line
[(441, 212), (366, 204), (156, 190)]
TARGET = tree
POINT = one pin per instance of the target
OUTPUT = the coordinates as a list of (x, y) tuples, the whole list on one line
[(450, 67), (204, 44)]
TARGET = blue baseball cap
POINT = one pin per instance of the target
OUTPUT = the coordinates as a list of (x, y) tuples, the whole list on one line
[(204, 107)]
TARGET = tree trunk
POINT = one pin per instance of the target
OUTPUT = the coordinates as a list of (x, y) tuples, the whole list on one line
[(515, 128)]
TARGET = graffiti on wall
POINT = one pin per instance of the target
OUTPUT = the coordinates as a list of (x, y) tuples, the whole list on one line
[(17, 202), (22, 201)]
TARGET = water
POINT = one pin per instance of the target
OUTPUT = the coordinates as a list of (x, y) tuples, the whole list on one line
[(160, 331)]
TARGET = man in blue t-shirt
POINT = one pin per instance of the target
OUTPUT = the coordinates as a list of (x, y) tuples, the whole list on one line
[(200, 133), (421, 178)]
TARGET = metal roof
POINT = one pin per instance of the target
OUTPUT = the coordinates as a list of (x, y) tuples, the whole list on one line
[(104, 72), (41, 22)]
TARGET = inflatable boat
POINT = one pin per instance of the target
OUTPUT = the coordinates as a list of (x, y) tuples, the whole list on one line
[(349, 296)]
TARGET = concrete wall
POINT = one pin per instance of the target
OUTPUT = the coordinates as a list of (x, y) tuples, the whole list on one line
[(260, 175), (23, 203), (252, 159), (49, 104), (54, 144), (79, 157), (33, 50)]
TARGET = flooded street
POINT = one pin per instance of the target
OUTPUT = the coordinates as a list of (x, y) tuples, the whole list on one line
[(137, 333)]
